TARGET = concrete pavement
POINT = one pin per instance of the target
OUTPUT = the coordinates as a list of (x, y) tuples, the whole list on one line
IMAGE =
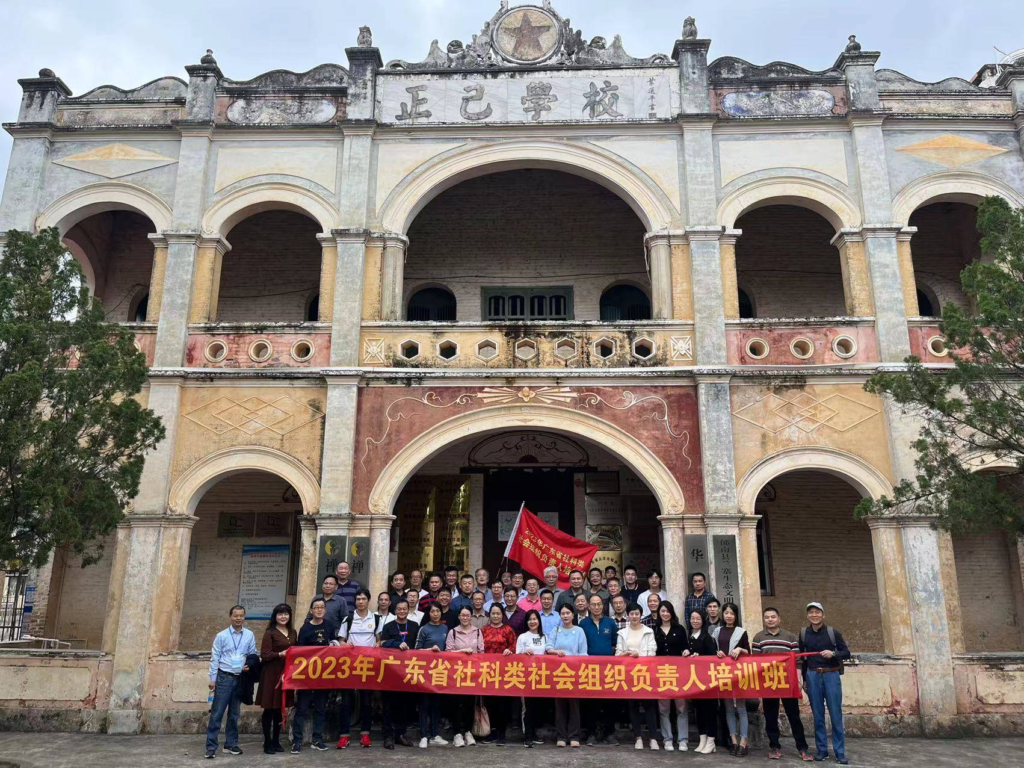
[(75, 750)]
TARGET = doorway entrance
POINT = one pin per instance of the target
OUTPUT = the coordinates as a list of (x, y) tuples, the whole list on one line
[(546, 492)]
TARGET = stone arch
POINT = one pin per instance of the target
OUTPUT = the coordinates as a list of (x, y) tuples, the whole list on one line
[(868, 480), (650, 204), (950, 187), (68, 210), (188, 490), (221, 218), (840, 209), (629, 449), (88, 271)]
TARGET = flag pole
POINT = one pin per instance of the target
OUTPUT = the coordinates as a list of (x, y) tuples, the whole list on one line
[(511, 538)]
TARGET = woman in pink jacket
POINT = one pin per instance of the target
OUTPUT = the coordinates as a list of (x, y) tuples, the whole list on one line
[(464, 638)]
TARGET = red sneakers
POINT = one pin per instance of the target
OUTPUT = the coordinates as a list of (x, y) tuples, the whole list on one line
[(343, 742), (364, 740)]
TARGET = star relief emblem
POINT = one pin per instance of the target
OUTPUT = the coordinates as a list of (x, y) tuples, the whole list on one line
[(527, 36), (526, 394)]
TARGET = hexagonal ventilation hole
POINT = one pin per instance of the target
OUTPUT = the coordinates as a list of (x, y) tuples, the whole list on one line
[(409, 349), (447, 349), (487, 349), (643, 348), (604, 348), (526, 349), (566, 349)]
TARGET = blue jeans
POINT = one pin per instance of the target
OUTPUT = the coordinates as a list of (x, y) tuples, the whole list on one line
[(736, 710), (826, 689), (430, 715), (225, 698)]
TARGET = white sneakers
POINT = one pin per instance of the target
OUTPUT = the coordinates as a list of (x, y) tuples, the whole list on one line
[(459, 741), (437, 741), (654, 744), (470, 741), (669, 747), (423, 743), (639, 744), (682, 745)]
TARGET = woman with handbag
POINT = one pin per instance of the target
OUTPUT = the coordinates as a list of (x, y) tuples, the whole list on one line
[(671, 641), (637, 641), (700, 643), (464, 638), (733, 642), (499, 638), (278, 638), (567, 640)]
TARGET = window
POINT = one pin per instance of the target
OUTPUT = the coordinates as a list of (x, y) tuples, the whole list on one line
[(313, 310), (528, 303), (141, 309), (925, 307), (434, 305), (764, 551), (746, 305), (624, 302)]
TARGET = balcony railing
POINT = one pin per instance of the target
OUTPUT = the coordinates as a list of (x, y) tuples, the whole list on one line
[(802, 341), (263, 345)]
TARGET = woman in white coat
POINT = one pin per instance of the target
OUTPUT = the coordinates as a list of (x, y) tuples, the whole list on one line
[(637, 641)]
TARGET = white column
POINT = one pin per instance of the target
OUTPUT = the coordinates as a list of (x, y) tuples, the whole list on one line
[(476, 519), (658, 247), (348, 297), (392, 277), (380, 551), (673, 552)]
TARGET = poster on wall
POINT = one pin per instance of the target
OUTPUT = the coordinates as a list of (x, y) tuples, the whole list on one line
[(359, 558), (330, 552), (507, 521), (264, 581), (605, 510)]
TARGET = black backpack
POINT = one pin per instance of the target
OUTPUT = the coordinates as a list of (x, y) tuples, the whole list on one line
[(831, 639)]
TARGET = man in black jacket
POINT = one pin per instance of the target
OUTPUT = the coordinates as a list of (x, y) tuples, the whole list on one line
[(400, 635), (317, 632)]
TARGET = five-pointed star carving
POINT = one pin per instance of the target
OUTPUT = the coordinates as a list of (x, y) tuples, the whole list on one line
[(528, 39)]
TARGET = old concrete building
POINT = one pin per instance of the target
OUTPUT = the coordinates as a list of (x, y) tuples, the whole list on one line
[(385, 303)]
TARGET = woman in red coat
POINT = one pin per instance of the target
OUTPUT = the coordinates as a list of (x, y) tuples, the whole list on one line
[(499, 637), (278, 638)]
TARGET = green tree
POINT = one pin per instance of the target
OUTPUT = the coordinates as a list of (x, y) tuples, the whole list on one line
[(978, 405), (72, 435)]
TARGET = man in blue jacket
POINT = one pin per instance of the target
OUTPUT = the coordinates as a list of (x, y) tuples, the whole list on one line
[(227, 663), (602, 634)]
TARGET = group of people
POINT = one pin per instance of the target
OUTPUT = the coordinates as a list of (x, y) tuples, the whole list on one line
[(598, 615)]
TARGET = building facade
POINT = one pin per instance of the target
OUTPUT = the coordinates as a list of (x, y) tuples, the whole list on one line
[(387, 303)]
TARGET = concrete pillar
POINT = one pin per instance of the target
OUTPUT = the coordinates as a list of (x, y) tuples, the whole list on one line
[(339, 455), (328, 274), (112, 618), (673, 553), (908, 280), (30, 152), (348, 297), (932, 647), (156, 279), (658, 249), (1013, 79), (176, 299), (750, 575), (47, 580), (682, 278), (891, 575), (716, 445), (476, 518), (856, 282), (887, 293), (155, 485), (206, 283), (692, 56), (203, 79), (150, 610), (309, 549), (954, 609), (708, 297), (392, 277), (380, 551), (730, 283), (363, 63)]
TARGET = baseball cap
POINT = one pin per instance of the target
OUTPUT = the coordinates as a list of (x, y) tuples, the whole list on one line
[(819, 606)]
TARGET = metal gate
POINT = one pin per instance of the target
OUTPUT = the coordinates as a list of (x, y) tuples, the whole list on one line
[(12, 605)]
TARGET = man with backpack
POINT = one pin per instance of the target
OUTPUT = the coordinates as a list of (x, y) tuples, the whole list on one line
[(359, 630), (822, 675)]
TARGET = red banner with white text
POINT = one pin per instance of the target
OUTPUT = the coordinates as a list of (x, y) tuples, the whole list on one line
[(535, 545), (607, 677)]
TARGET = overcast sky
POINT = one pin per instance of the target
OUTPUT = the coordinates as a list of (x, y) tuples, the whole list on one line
[(127, 43)]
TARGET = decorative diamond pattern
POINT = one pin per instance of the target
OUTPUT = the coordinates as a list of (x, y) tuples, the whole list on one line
[(253, 415), (373, 351), (682, 348), (774, 414)]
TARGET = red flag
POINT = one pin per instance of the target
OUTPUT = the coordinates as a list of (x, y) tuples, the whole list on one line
[(535, 545)]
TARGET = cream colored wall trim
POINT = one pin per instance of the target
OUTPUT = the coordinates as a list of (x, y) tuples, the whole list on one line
[(68, 210), (626, 447), (420, 187), (868, 480), (270, 196), (189, 489), (840, 209), (949, 186)]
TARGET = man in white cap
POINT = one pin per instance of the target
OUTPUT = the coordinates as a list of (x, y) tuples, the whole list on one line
[(822, 680)]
